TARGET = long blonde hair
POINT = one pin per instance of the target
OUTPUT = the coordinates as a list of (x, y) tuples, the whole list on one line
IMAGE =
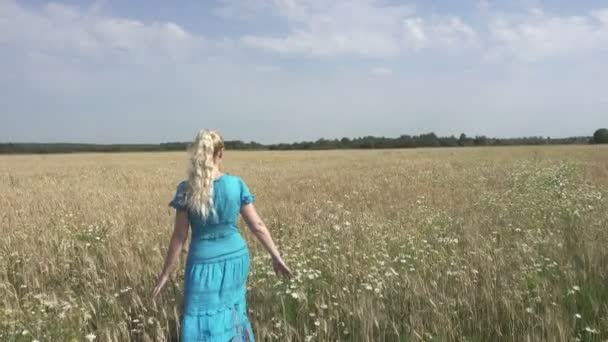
[(206, 146)]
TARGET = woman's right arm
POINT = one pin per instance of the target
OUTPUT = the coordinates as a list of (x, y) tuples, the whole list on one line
[(178, 239), (261, 232)]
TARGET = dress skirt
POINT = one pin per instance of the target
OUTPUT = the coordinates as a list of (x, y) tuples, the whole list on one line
[(215, 303)]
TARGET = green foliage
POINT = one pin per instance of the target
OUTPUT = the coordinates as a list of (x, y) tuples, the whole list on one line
[(462, 141), (367, 142), (600, 136)]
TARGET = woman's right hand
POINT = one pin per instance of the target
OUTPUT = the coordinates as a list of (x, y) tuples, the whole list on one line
[(160, 283), (280, 268)]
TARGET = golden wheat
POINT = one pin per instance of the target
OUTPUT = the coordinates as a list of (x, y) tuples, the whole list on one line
[(475, 244)]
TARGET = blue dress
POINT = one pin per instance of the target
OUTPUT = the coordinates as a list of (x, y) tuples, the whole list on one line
[(215, 306)]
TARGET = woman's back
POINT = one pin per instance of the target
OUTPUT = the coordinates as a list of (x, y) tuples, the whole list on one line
[(218, 234)]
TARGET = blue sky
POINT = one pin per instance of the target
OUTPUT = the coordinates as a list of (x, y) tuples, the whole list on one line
[(290, 70)]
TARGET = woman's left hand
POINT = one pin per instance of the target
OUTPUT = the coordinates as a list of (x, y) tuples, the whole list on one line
[(280, 268), (160, 283)]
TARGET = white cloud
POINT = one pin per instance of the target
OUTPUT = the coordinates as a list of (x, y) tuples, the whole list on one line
[(380, 29), (539, 36), (381, 71), (601, 15), (414, 33), (60, 30), (332, 28), (373, 29), (438, 32), (328, 44), (354, 27)]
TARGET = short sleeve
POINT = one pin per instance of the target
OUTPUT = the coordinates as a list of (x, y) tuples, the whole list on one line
[(246, 196), (179, 200)]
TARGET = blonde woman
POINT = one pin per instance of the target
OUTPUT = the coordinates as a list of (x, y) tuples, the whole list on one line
[(215, 307)]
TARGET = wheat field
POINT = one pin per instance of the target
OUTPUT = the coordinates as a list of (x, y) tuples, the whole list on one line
[(463, 244)]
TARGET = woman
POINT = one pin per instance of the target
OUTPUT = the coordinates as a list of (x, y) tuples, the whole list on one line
[(215, 307)]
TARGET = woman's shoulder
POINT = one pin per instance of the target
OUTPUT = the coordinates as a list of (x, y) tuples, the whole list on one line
[(182, 185), (179, 200), (234, 181), (232, 177)]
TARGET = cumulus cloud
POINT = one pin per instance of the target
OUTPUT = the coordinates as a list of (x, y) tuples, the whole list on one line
[(443, 32), (60, 30), (318, 28), (539, 35), (355, 27), (380, 29), (333, 28)]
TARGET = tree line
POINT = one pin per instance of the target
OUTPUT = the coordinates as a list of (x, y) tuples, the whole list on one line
[(368, 142)]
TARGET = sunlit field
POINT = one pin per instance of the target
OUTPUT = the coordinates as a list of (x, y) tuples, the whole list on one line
[(463, 244)]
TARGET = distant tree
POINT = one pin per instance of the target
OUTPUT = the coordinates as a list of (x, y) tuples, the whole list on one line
[(480, 140), (428, 140), (405, 141), (366, 142), (450, 141), (462, 141), (345, 143), (325, 144), (600, 136)]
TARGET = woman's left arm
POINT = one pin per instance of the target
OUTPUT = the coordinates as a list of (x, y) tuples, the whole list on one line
[(178, 239)]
